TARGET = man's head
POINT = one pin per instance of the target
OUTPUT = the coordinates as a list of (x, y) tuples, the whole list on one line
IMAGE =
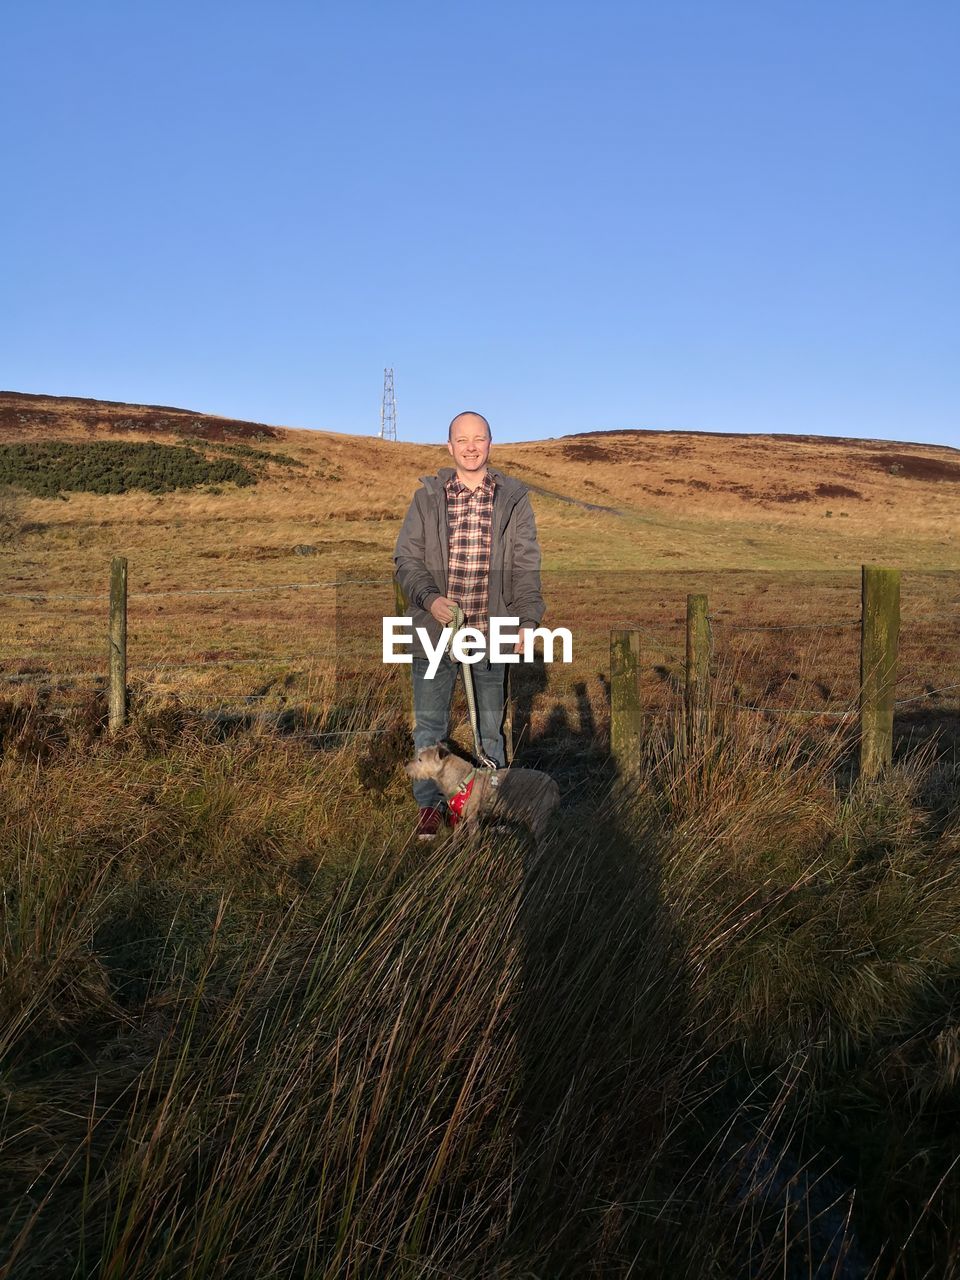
[(468, 421), (468, 442)]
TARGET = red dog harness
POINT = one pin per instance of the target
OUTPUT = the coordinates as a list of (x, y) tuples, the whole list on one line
[(456, 802)]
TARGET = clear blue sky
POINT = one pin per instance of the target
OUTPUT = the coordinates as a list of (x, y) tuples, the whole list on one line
[(738, 216)]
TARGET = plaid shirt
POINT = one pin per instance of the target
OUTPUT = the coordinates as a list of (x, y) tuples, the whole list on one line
[(469, 521)]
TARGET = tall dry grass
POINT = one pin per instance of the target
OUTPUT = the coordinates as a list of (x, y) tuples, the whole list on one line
[(250, 1028)]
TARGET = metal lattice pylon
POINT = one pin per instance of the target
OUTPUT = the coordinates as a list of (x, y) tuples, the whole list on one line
[(388, 408)]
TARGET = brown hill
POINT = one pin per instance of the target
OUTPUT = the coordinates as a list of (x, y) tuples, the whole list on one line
[(613, 498), (33, 417), (234, 590)]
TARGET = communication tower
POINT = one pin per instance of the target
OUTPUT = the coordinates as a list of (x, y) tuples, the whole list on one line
[(388, 409)]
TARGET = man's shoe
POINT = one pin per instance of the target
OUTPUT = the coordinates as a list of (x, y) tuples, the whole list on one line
[(428, 824)]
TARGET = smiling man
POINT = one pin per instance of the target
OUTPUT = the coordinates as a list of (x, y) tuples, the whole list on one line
[(469, 538)]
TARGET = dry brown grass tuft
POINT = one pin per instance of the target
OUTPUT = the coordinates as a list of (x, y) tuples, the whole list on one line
[(246, 1017)]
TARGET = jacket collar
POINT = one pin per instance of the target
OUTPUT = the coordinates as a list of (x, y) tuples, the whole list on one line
[(509, 486)]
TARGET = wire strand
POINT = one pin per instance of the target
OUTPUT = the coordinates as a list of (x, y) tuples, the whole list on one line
[(40, 597), (930, 693), (789, 711), (789, 626)]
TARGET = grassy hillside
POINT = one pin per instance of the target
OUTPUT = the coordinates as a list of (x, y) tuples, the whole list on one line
[(644, 500), (248, 1027), (774, 529)]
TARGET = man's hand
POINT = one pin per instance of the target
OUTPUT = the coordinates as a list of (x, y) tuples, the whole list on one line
[(442, 610), (518, 647)]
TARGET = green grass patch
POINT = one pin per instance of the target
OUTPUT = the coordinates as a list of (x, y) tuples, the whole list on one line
[(245, 451), (48, 468)]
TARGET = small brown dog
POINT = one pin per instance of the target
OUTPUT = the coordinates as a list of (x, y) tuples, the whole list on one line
[(523, 795)]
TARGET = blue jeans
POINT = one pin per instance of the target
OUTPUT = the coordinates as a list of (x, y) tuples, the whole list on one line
[(431, 702)]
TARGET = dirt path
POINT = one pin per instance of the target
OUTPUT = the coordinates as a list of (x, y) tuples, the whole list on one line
[(577, 502)]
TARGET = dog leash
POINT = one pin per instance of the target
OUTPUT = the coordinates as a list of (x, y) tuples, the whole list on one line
[(458, 623)]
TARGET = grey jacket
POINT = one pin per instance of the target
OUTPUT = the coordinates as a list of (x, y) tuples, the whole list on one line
[(421, 555)]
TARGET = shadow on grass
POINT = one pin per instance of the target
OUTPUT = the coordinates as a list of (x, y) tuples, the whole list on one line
[(632, 1130)]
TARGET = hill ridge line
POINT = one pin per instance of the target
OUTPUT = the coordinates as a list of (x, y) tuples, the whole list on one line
[(37, 399)]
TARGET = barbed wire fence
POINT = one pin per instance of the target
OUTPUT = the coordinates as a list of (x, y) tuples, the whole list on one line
[(817, 711), (696, 659), (151, 673), (874, 704)]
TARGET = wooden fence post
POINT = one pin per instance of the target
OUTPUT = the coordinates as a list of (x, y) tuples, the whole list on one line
[(625, 699), (118, 643), (879, 636), (697, 683)]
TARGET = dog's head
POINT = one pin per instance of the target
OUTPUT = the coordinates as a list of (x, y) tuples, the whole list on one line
[(427, 762)]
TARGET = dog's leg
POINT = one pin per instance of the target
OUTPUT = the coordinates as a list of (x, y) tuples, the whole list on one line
[(540, 823)]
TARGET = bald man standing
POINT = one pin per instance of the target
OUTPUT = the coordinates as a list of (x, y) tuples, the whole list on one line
[(469, 538)]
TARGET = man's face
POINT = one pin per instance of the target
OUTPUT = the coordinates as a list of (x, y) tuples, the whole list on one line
[(469, 443)]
